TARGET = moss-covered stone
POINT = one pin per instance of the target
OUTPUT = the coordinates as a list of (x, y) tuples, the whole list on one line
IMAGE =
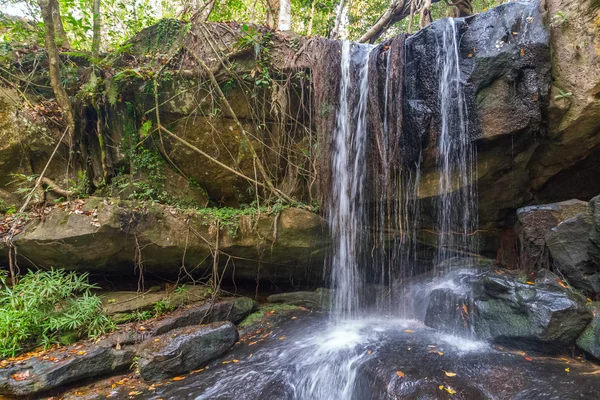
[(104, 238), (589, 340), (265, 311)]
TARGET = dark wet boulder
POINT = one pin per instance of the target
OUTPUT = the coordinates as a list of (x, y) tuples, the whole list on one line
[(508, 309), (233, 310), (595, 232), (534, 223), (589, 340), (574, 254), (505, 66), (319, 299), (184, 349), (39, 374)]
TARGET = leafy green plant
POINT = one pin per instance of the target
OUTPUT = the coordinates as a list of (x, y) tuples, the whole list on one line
[(558, 19), (44, 305), (563, 95), (162, 307)]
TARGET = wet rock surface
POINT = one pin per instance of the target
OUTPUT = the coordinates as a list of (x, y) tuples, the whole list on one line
[(379, 359), (589, 340), (185, 349), (39, 374), (233, 310), (505, 309), (319, 299), (505, 64)]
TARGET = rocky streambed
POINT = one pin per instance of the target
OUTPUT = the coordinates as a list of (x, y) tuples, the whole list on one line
[(302, 357)]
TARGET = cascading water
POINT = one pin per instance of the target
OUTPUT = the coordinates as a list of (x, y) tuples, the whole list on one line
[(322, 361), (346, 212), (457, 202)]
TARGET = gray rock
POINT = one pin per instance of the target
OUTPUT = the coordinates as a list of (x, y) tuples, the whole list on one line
[(100, 235), (233, 310), (184, 349), (506, 79), (589, 340), (503, 309), (572, 253), (595, 232), (534, 222), (319, 299), (43, 374)]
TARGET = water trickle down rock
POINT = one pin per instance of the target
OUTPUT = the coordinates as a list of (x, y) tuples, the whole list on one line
[(503, 309)]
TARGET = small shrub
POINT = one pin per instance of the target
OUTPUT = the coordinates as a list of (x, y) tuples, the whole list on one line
[(45, 305)]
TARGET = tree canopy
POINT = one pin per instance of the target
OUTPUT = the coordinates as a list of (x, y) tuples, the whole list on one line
[(119, 20)]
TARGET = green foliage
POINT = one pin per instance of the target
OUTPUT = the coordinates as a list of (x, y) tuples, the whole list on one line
[(265, 311), (563, 95), (229, 218), (162, 307), (44, 305), (6, 208), (260, 44), (558, 19)]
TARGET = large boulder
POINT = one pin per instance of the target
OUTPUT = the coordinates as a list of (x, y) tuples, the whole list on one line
[(505, 64), (232, 310), (567, 164), (319, 299), (507, 309), (534, 223), (531, 73), (103, 236), (184, 350), (26, 142), (41, 373), (589, 340), (573, 252)]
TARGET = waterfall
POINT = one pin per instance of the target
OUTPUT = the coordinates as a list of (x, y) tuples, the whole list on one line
[(456, 206), (346, 212)]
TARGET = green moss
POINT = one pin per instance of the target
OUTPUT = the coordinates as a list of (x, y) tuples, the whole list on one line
[(263, 312)]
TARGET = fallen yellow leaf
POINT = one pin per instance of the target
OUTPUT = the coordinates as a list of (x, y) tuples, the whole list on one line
[(567, 369), (236, 361), (400, 374), (409, 331), (530, 283), (450, 390), (449, 373), (178, 378)]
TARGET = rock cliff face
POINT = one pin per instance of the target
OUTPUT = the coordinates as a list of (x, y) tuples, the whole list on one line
[(531, 74), (107, 235)]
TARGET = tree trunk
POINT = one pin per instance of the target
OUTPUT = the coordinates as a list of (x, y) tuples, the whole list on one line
[(62, 97), (59, 29), (397, 11), (285, 15), (272, 12), (96, 31), (335, 33), (312, 17)]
